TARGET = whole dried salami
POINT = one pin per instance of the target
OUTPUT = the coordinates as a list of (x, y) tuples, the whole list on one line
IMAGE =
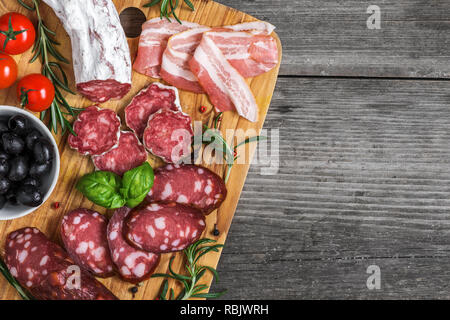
[(134, 265), (46, 271), (98, 131), (83, 233), (163, 227), (148, 101), (169, 135), (129, 154), (100, 52), (188, 184)]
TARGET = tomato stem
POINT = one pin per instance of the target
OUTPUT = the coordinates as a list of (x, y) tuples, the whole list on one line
[(10, 34), (24, 96)]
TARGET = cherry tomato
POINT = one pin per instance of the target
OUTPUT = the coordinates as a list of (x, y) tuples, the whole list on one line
[(8, 71), (35, 92), (17, 33)]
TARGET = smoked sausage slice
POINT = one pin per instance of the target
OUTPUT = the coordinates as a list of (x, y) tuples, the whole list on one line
[(162, 227), (134, 265), (83, 233), (46, 271)]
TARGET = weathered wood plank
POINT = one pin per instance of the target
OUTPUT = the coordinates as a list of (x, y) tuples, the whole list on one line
[(364, 179), (331, 37)]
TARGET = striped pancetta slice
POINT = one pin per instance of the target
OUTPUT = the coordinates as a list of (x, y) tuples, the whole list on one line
[(252, 53), (226, 88), (153, 42)]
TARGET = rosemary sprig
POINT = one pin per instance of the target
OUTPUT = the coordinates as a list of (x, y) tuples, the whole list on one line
[(191, 287), (22, 292), (168, 8), (44, 48), (214, 136)]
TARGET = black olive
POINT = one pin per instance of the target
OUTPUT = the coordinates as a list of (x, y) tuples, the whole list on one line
[(2, 201), (43, 151), (5, 184), (37, 170), (32, 182), (12, 143), (18, 124), (19, 168), (3, 154), (31, 138), (11, 197), (4, 167), (29, 196), (3, 126)]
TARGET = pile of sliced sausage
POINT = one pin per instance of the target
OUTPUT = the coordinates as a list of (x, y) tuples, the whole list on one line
[(129, 244), (154, 115)]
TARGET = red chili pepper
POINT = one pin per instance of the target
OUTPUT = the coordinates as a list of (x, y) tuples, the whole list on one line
[(202, 109), (56, 205)]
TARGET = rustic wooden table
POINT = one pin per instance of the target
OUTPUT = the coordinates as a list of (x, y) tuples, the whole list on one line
[(364, 176)]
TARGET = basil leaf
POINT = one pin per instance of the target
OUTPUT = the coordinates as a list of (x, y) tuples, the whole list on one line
[(136, 184), (102, 188)]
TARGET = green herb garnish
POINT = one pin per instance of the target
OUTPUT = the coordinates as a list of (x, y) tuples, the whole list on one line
[(213, 136), (168, 8), (191, 287), (44, 48), (108, 190)]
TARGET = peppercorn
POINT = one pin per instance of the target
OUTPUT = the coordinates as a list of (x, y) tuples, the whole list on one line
[(202, 109), (56, 205), (134, 290), (216, 232)]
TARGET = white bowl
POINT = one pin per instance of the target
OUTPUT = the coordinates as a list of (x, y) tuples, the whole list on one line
[(48, 182)]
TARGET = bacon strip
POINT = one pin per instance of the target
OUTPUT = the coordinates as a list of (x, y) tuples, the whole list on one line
[(251, 53), (153, 42), (226, 88)]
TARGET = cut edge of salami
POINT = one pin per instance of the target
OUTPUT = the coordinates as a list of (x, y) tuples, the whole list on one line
[(76, 256), (113, 147), (144, 92), (124, 211), (111, 89), (150, 119), (37, 253), (126, 228), (205, 210), (122, 132)]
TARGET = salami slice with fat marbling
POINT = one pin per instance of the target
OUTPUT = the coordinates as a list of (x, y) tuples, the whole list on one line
[(188, 184), (162, 227), (83, 232), (129, 154), (148, 101), (98, 131), (46, 271), (134, 265), (168, 135)]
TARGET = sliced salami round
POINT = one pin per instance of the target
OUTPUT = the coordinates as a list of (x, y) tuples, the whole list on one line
[(169, 135), (134, 265), (149, 100), (103, 90), (98, 131), (46, 271), (129, 154), (162, 227), (30, 256), (188, 184), (83, 233)]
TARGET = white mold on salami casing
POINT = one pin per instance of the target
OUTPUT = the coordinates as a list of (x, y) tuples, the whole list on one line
[(101, 56)]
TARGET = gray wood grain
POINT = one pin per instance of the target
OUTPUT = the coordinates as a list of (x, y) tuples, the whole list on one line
[(364, 179), (331, 38)]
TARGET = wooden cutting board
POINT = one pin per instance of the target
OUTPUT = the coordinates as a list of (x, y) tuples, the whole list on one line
[(73, 165)]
